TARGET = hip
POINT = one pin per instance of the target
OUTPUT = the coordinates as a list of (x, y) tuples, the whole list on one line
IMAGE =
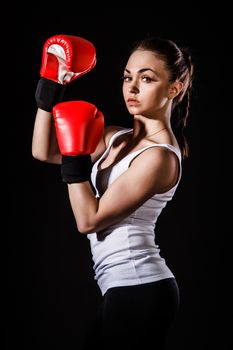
[(152, 300)]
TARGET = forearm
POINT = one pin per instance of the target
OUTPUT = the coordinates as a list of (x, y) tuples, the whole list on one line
[(96, 214), (44, 142), (85, 207)]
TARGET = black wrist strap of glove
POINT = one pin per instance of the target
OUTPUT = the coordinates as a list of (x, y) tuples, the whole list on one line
[(76, 169), (48, 94)]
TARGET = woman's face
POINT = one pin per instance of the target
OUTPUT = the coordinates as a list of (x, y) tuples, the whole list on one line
[(146, 83)]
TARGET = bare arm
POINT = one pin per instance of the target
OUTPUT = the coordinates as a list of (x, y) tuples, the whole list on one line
[(154, 171), (44, 142)]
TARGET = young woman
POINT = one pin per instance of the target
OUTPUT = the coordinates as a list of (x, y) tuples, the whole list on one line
[(117, 201)]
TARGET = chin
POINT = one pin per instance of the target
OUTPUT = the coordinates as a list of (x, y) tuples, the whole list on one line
[(131, 113), (134, 110)]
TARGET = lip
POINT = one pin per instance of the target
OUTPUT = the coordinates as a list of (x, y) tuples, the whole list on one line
[(132, 102)]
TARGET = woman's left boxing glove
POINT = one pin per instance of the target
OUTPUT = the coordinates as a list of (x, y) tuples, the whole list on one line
[(64, 59)]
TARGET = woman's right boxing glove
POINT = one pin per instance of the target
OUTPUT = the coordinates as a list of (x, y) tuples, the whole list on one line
[(64, 59)]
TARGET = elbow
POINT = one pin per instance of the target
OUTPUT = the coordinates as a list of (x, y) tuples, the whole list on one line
[(85, 228), (94, 225), (39, 156)]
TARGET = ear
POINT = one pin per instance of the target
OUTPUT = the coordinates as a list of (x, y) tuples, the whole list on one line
[(175, 88)]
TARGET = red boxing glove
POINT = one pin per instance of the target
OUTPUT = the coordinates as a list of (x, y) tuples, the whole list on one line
[(67, 57), (64, 59), (79, 127)]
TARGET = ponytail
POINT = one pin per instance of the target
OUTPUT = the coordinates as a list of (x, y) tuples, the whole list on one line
[(179, 123), (181, 104)]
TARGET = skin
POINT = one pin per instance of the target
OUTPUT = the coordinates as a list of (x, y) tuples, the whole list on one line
[(148, 94)]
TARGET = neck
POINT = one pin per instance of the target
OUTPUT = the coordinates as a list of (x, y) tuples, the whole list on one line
[(144, 126)]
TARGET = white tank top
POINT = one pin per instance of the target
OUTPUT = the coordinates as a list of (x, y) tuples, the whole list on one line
[(126, 253)]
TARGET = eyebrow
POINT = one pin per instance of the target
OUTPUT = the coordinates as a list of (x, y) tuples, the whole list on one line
[(143, 70)]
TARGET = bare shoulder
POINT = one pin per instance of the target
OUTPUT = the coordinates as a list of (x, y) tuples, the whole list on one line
[(103, 143), (161, 166), (109, 131)]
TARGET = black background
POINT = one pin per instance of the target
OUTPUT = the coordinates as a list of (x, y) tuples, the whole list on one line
[(52, 294)]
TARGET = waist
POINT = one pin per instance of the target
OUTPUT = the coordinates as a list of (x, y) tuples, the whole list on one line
[(127, 254), (118, 245), (122, 237), (132, 272)]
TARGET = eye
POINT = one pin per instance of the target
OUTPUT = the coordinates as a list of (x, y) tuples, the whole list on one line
[(126, 78), (146, 79)]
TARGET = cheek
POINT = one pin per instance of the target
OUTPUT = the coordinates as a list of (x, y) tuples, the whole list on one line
[(124, 90), (160, 93), (156, 98)]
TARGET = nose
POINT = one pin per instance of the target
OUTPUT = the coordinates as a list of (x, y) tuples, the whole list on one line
[(133, 87)]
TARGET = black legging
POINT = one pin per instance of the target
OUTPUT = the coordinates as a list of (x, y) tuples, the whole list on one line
[(135, 317)]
